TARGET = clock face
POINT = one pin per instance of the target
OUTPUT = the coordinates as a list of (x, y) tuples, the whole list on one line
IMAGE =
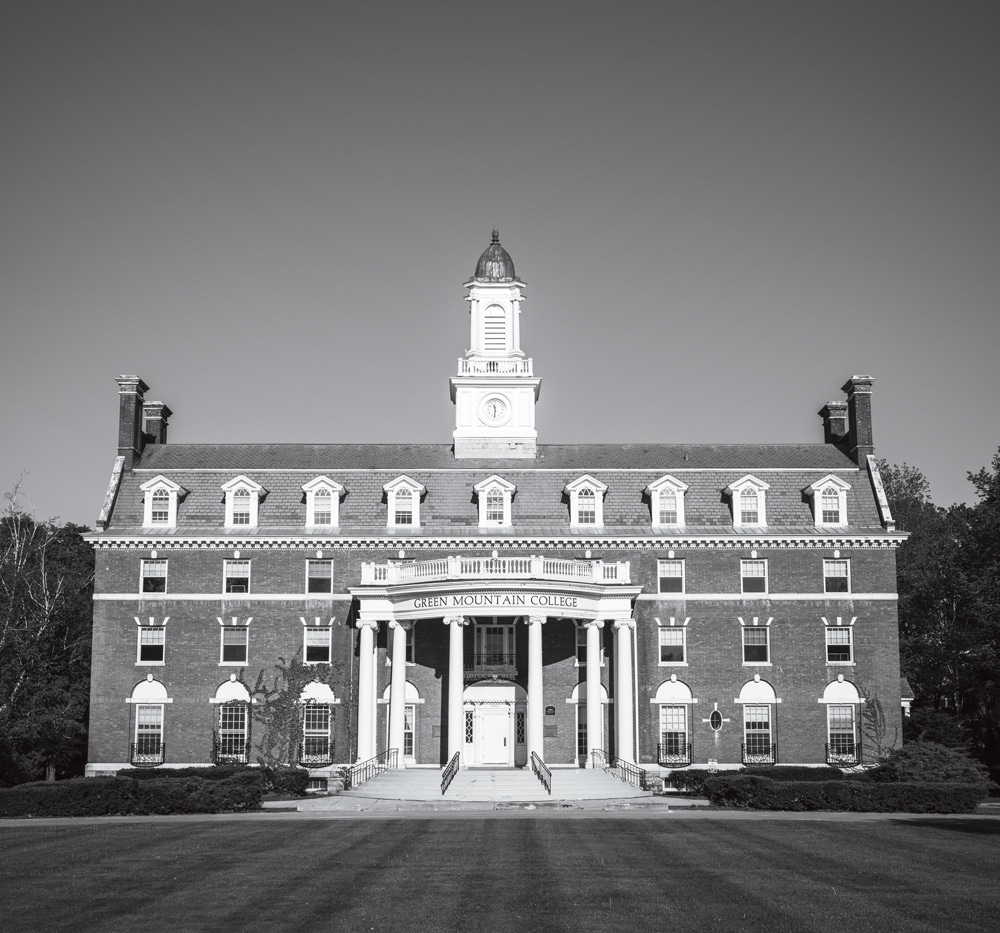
[(494, 409)]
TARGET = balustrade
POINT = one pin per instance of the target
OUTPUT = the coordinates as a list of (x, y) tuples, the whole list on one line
[(496, 568)]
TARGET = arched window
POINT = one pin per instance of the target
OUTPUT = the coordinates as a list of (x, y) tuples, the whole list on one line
[(160, 508), (494, 506), (322, 507), (748, 506), (830, 505), (403, 512), (586, 509)]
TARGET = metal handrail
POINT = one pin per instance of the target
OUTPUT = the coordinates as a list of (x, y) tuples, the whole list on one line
[(758, 755), (364, 770), (542, 772), (146, 754), (450, 770), (842, 754), (673, 754), (626, 771)]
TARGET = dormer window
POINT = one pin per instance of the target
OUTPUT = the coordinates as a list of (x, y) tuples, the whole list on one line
[(403, 496), (666, 497), (829, 497), (322, 502), (748, 497), (160, 502), (243, 496), (494, 494), (586, 502)]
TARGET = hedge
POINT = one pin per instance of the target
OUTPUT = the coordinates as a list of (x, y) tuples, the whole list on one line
[(752, 792), (285, 781), (693, 780), (125, 796)]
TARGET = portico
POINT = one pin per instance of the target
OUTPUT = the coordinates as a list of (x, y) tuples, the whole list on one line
[(494, 708)]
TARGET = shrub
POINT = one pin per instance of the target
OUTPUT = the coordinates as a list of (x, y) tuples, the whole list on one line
[(928, 762), (690, 780), (796, 773), (285, 780), (125, 796), (751, 792), (206, 773)]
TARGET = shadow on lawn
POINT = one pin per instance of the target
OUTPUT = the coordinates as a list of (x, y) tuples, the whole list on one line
[(978, 827)]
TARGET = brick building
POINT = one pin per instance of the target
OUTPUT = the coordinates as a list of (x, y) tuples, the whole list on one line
[(665, 604)]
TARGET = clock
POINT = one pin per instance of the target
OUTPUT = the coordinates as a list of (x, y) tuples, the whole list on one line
[(494, 409)]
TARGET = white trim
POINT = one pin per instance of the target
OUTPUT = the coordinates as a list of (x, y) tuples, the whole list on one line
[(336, 494), (597, 489), (815, 493), (785, 597), (174, 493), (345, 597), (483, 489), (735, 491), (566, 469), (655, 489), (391, 489), (256, 493)]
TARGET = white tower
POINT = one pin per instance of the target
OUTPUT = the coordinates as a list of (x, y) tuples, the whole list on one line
[(495, 392)]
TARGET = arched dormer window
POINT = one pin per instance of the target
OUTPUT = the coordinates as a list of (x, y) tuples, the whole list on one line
[(749, 496), (586, 502), (160, 498), (243, 496), (666, 497), (495, 495), (829, 501), (323, 503), (403, 497)]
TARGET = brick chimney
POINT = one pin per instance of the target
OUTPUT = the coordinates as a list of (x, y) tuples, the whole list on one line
[(130, 439), (834, 415), (859, 408), (155, 416)]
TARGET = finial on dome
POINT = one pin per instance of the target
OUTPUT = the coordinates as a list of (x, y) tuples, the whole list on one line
[(495, 264), (496, 235)]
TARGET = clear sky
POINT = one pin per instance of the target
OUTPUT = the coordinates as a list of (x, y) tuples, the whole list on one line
[(722, 210)]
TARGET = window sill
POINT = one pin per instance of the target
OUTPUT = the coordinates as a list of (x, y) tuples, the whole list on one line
[(150, 663), (672, 664), (232, 664), (841, 664), (757, 664), (672, 594)]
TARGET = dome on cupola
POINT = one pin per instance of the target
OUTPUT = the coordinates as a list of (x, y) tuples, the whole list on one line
[(495, 265)]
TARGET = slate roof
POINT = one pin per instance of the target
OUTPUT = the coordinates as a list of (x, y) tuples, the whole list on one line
[(539, 506)]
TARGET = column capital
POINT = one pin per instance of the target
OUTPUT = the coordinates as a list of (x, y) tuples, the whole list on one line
[(535, 620), (396, 623), (367, 623), (594, 623), (624, 623), (455, 620)]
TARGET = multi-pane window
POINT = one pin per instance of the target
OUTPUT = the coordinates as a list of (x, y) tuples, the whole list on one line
[(756, 644), (470, 720), (671, 575), (668, 507), (673, 730), (152, 643), (160, 507), (403, 513), (322, 507), (319, 576), (494, 646), (409, 644), (148, 730), (317, 645), (233, 737), (241, 506), (830, 506), (841, 729), (757, 733), (586, 506), (673, 645), (409, 729), (494, 506), (581, 645), (236, 576), (754, 576), (315, 733), (839, 644), (749, 512), (235, 640), (154, 576), (836, 576), (520, 727)]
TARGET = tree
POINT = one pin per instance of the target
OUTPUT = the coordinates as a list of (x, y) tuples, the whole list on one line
[(46, 590)]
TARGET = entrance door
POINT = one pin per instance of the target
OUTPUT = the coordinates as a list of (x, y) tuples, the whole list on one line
[(495, 723)]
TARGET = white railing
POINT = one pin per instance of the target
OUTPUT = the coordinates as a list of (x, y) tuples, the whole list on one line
[(496, 568), (477, 366)]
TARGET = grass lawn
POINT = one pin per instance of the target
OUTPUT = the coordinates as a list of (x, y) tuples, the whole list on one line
[(502, 875)]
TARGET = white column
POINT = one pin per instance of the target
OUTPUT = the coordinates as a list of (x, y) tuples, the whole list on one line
[(366, 688), (397, 688), (456, 684), (536, 692), (624, 705), (595, 718)]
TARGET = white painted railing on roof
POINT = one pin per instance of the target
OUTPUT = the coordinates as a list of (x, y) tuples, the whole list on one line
[(487, 367), (495, 568)]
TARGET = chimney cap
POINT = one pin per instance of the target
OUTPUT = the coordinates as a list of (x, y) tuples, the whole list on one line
[(858, 384), (131, 384)]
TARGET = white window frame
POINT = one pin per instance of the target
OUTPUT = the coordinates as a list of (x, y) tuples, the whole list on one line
[(391, 489), (161, 638), (322, 636), (174, 493), (662, 564), (147, 564), (735, 492), (335, 491), (231, 563), (663, 485), (829, 643), (245, 629), (255, 491), (310, 562), (829, 483), (680, 630), (242, 733), (827, 562), (685, 732), (494, 484), (573, 491), (744, 576), (747, 719), (853, 707), (314, 732), (766, 629), (158, 708)]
